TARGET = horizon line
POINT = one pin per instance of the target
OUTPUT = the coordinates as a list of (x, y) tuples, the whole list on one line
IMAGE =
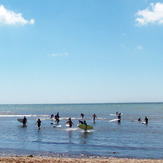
[(81, 103)]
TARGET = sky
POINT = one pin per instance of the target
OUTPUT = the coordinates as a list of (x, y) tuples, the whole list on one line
[(81, 51)]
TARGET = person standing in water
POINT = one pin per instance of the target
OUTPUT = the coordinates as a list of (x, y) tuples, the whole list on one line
[(82, 115), (38, 123), (69, 122), (24, 121), (85, 124), (119, 117), (146, 120), (57, 118), (94, 117), (52, 116)]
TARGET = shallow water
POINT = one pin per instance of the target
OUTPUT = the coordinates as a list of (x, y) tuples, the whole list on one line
[(130, 138)]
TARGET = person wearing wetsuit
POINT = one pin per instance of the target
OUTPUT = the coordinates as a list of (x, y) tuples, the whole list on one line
[(146, 120), (38, 123), (81, 122), (119, 117), (57, 118), (24, 121), (82, 115), (52, 116), (85, 124), (94, 117), (69, 122)]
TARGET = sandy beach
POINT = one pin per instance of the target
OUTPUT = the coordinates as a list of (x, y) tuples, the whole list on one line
[(74, 160)]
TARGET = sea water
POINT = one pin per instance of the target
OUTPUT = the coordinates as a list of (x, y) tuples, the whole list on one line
[(130, 138)]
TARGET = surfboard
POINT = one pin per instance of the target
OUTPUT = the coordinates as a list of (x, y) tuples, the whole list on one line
[(113, 120), (20, 120), (83, 126)]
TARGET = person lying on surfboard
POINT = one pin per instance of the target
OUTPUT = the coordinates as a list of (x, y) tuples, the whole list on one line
[(69, 122)]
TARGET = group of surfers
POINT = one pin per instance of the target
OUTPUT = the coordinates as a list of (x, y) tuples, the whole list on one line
[(70, 123), (139, 119), (145, 120), (25, 121)]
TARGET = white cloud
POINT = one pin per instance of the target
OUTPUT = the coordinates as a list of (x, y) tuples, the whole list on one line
[(11, 18), (153, 14), (139, 47), (59, 54)]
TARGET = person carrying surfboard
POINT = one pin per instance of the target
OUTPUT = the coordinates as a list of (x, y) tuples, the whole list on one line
[(85, 124), (24, 121), (69, 122)]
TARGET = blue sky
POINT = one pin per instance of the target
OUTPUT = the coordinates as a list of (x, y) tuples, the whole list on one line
[(81, 51)]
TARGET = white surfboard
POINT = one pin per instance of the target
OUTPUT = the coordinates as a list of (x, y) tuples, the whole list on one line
[(113, 120)]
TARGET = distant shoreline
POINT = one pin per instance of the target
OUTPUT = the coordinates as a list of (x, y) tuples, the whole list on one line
[(98, 103), (75, 160)]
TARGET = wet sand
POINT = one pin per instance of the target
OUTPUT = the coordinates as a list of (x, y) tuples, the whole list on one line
[(73, 160)]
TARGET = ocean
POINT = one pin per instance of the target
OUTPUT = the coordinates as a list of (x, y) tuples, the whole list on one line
[(128, 139)]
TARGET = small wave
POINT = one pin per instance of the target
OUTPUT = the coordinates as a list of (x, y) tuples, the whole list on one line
[(45, 142), (112, 114), (101, 118), (115, 114), (87, 131), (30, 115), (71, 129), (5, 111)]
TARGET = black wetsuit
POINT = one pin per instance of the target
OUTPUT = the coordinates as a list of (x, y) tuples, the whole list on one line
[(39, 123), (119, 117), (146, 120), (24, 121)]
